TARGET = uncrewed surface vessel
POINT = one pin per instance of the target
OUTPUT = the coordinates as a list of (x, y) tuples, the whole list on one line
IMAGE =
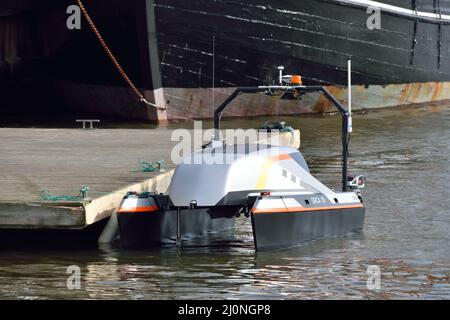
[(272, 185)]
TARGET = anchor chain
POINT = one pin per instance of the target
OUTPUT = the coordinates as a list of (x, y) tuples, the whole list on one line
[(113, 58)]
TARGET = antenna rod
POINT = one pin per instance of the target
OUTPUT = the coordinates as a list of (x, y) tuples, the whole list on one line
[(349, 89), (214, 71)]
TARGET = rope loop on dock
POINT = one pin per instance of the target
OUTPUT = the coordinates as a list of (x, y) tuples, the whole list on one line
[(46, 195), (154, 166), (113, 58)]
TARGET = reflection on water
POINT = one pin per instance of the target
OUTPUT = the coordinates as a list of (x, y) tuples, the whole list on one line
[(405, 156)]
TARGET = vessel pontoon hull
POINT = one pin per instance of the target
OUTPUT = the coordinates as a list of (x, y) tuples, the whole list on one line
[(284, 229), (153, 229)]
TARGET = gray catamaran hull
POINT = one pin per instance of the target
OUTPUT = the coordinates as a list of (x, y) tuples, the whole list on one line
[(285, 229), (153, 229)]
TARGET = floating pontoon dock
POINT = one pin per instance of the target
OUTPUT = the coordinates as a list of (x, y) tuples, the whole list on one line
[(63, 160)]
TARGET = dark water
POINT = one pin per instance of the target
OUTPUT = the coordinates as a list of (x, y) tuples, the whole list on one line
[(405, 155)]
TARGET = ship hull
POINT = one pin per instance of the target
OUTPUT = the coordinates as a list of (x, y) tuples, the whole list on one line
[(404, 62), (171, 49)]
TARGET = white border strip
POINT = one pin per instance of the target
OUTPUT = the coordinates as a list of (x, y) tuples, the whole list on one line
[(398, 10)]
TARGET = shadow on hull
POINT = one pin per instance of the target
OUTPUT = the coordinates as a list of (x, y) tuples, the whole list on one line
[(153, 229)]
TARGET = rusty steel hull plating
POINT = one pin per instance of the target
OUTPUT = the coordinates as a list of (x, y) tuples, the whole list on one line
[(197, 103), (166, 48)]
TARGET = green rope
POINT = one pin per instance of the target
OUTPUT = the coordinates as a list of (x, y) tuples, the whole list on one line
[(46, 195), (270, 125), (145, 166), (150, 166), (288, 129)]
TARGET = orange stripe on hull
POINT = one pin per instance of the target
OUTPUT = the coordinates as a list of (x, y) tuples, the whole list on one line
[(138, 209), (281, 157), (303, 209)]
